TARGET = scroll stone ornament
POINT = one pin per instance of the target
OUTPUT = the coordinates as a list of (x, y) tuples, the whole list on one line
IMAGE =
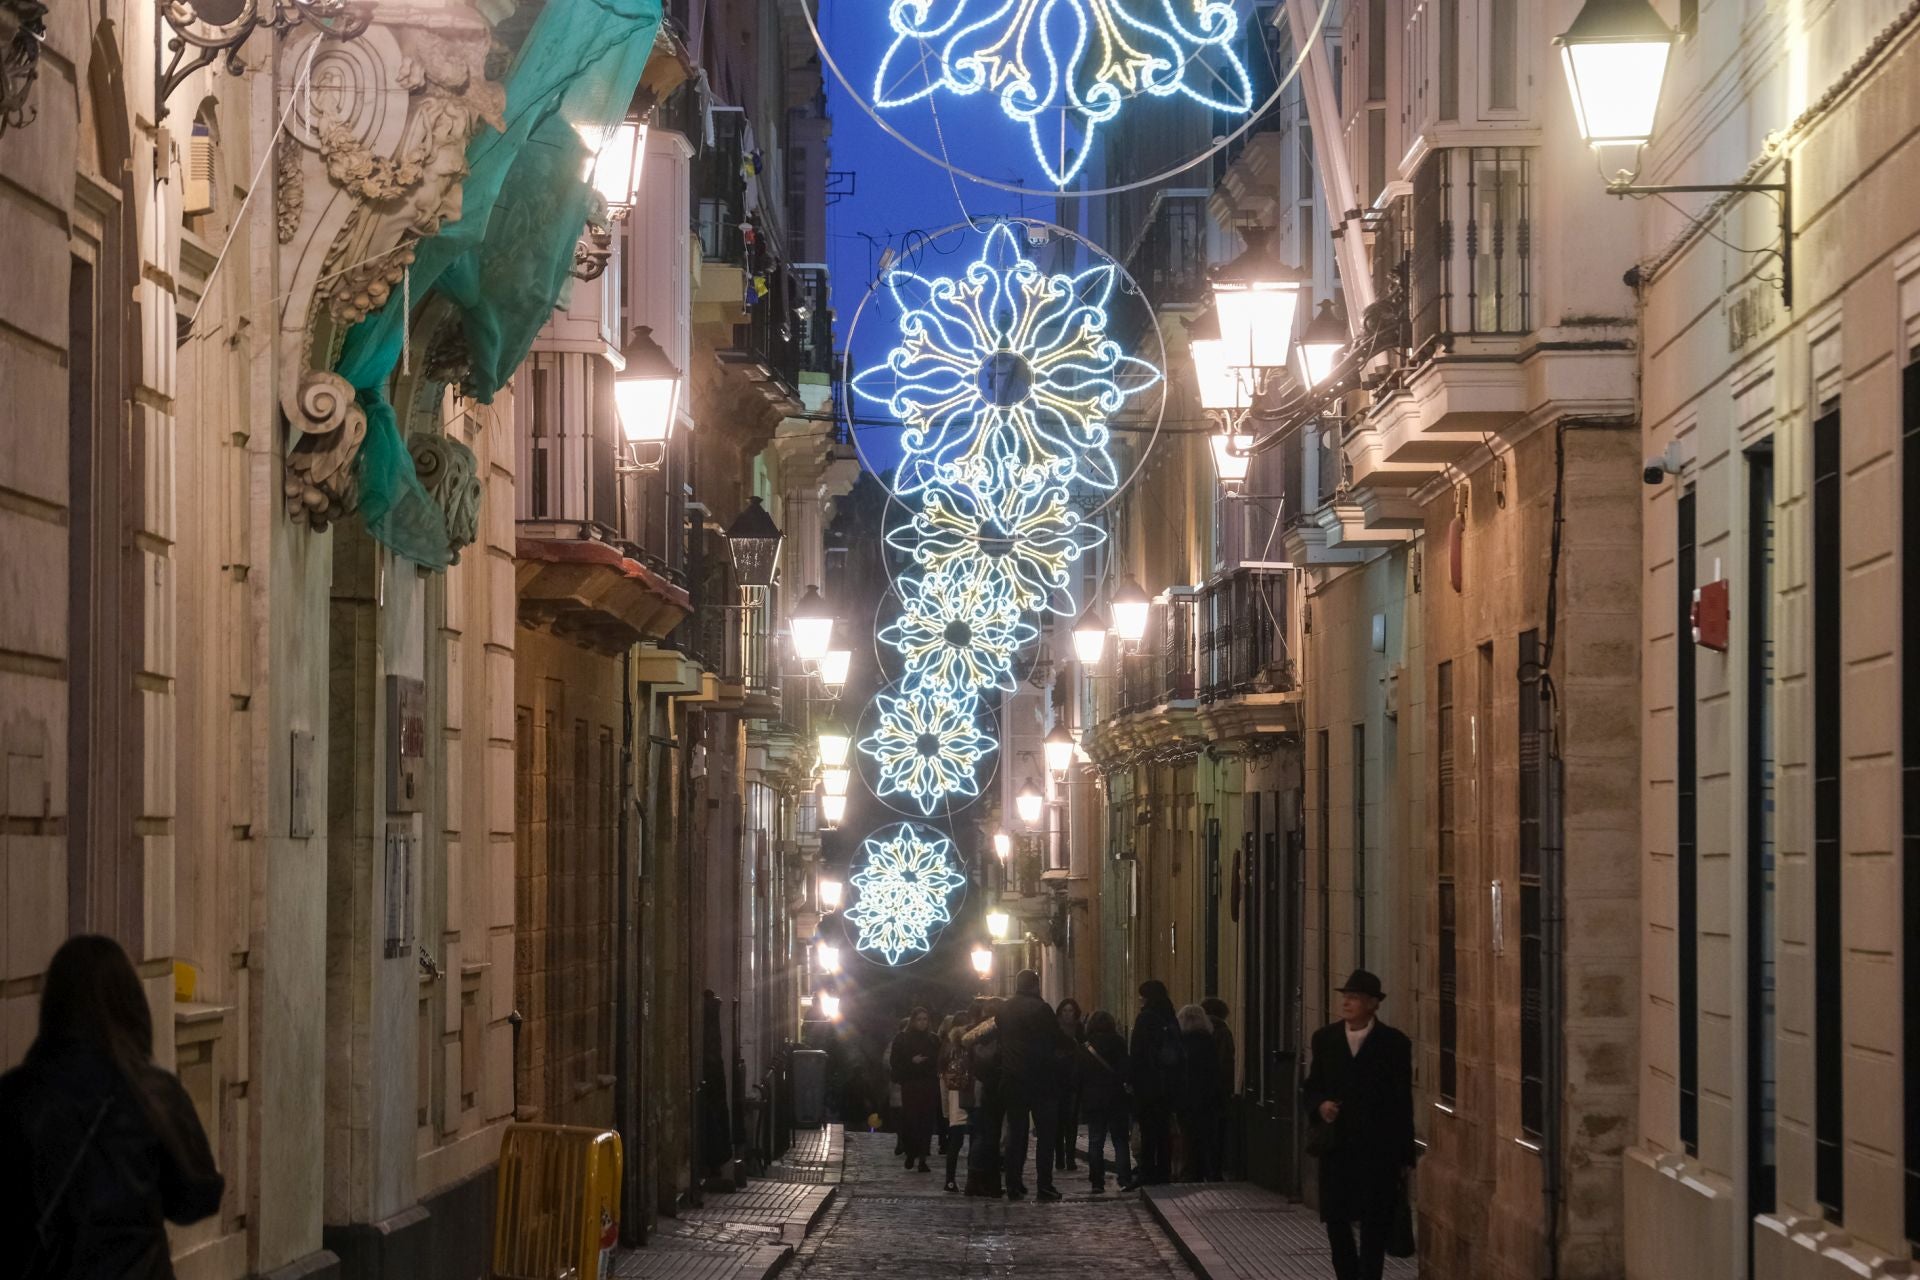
[(450, 473), (319, 488)]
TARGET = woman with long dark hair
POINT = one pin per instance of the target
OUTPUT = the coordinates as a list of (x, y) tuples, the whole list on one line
[(1067, 1131), (99, 1146), (916, 1069)]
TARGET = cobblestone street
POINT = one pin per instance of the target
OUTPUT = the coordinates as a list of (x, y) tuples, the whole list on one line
[(887, 1221)]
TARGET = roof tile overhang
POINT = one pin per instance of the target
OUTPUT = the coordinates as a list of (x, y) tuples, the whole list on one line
[(588, 591)]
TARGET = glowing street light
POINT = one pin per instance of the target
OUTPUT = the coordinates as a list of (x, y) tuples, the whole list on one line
[(1255, 297), (833, 810), (1059, 749), (826, 957), (835, 741), (1028, 803), (1129, 606), (616, 170), (831, 892), (646, 391), (1615, 55), (1002, 845), (1232, 457), (830, 1006), (811, 626), (1322, 345), (1223, 388), (983, 962), (834, 780), (834, 667), (999, 924), (1090, 637)]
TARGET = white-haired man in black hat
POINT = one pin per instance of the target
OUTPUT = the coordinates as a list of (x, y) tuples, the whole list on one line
[(1359, 1101)]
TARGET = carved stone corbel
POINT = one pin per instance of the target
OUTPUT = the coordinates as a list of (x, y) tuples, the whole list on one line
[(451, 475), (374, 160), (320, 487)]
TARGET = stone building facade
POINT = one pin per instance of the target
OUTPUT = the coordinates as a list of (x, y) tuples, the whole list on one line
[(1776, 1133)]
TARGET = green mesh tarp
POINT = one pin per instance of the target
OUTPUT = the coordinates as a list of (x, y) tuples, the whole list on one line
[(505, 261)]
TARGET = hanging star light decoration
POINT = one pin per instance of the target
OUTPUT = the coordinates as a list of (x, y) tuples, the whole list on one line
[(903, 889), (1064, 66), (1004, 379)]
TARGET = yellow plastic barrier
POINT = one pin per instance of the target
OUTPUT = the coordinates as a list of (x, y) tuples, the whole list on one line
[(557, 1216)]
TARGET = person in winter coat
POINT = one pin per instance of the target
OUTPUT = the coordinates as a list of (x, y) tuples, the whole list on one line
[(1197, 1100), (1157, 1060), (1103, 1100), (99, 1147), (956, 1084), (982, 1043), (1224, 1154), (1031, 1050), (1067, 1132), (1360, 1086), (916, 1069)]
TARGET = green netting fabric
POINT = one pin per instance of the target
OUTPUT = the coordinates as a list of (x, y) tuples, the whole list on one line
[(504, 263)]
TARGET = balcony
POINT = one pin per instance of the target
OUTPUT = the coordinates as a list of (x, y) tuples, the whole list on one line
[(1248, 684), (573, 579), (735, 643), (1169, 255)]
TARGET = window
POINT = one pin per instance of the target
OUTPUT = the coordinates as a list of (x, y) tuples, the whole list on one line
[(1498, 238), (1828, 1029), (1910, 772), (1762, 927), (1376, 152), (1449, 37), (1503, 54), (1448, 942), (1360, 846), (1534, 767), (1376, 50), (1686, 839), (541, 441)]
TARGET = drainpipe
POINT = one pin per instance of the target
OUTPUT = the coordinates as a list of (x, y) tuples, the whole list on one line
[(626, 1092), (1553, 994)]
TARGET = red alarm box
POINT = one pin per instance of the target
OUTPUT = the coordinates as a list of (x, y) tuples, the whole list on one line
[(1712, 610)]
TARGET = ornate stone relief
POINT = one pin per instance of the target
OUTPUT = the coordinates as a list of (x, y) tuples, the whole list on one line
[(450, 473), (374, 160)]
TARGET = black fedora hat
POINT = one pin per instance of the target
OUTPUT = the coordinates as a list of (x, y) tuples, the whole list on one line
[(1362, 983)]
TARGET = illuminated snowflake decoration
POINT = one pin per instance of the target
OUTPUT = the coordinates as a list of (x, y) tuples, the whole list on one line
[(1072, 64), (903, 889), (1003, 380), (959, 629), (928, 745), (1004, 375)]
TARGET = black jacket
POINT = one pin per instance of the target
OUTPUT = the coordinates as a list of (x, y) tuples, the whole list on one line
[(1103, 1079), (909, 1045), (1373, 1136), (1156, 1056), (1030, 1044), (1199, 1089), (125, 1184)]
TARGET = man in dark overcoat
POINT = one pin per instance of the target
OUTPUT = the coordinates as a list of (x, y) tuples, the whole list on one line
[(1030, 1041), (1359, 1096)]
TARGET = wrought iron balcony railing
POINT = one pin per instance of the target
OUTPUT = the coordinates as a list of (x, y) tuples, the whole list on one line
[(1244, 642)]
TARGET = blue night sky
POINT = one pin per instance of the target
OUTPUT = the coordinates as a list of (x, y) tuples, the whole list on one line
[(898, 193)]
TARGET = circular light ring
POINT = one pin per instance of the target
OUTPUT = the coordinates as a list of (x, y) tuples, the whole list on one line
[(892, 761), (1253, 117), (953, 431), (903, 891)]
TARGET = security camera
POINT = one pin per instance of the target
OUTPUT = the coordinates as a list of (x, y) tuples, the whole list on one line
[(1662, 465)]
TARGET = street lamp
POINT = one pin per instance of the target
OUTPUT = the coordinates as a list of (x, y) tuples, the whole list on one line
[(999, 923), (811, 626), (1232, 457), (835, 664), (1002, 845), (616, 170), (1615, 55), (983, 962), (754, 541), (1322, 345), (1255, 297), (826, 957), (1028, 803), (831, 892), (830, 1006), (835, 742), (833, 809), (834, 779), (1058, 748), (1129, 605), (1223, 389), (646, 399), (1090, 637)]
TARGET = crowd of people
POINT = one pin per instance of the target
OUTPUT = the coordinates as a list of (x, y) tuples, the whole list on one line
[(1005, 1074)]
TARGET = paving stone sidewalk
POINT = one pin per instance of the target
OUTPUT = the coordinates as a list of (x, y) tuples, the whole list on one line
[(1237, 1231), (748, 1234)]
